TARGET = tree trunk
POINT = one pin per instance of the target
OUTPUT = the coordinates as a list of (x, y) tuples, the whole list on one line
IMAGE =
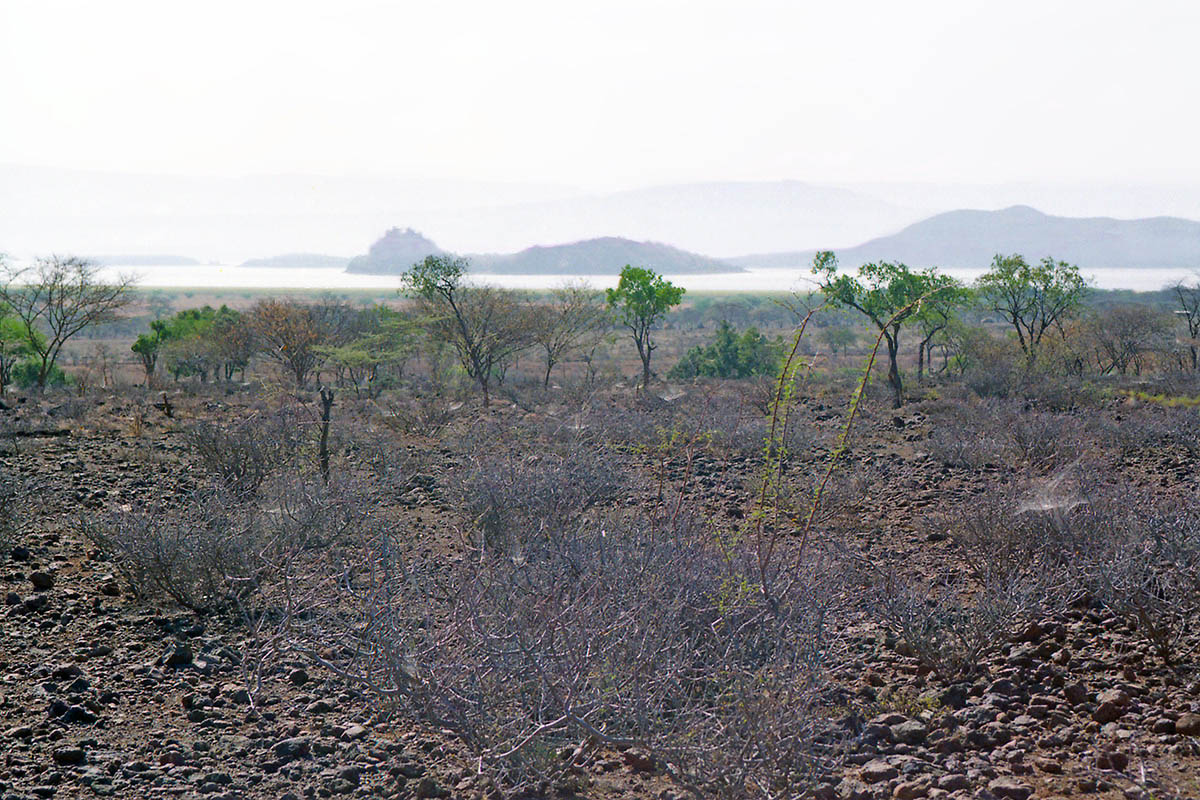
[(894, 370), (326, 406)]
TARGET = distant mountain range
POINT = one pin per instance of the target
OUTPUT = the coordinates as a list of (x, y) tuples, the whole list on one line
[(299, 261), (400, 249), (972, 238)]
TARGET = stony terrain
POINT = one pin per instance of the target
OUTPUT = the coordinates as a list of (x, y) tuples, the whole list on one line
[(102, 694)]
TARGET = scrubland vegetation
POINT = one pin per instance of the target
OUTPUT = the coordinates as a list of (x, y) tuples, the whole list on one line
[(896, 538)]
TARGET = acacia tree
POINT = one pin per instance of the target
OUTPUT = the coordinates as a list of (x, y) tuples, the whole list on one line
[(1033, 298), (290, 334), (937, 313), (573, 319), (1188, 295), (642, 298), (888, 295), (57, 298), (486, 326)]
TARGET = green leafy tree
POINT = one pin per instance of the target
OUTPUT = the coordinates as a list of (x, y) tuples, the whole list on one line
[(387, 341), (486, 326), (838, 338), (1033, 298), (888, 294), (14, 346), (642, 298), (730, 356), (148, 345)]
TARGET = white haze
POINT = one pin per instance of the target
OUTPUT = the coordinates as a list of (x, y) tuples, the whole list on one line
[(229, 130)]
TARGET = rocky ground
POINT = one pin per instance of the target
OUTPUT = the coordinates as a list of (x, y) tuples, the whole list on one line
[(102, 695)]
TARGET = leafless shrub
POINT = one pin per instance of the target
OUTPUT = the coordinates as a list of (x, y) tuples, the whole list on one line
[(948, 632), (13, 498), (241, 456), (1143, 563), (589, 638), (1136, 554), (1148, 428), (514, 494), (194, 554)]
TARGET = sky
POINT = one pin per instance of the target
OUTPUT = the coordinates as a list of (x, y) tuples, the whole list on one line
[(608, 95)]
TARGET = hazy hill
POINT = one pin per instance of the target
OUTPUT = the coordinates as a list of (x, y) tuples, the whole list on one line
[(604, 256), (721, 219), (299, 261), (972, 238), (394, 253)]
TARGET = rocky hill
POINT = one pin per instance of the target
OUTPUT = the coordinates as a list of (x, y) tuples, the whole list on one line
[(604, 256), (394, 253)]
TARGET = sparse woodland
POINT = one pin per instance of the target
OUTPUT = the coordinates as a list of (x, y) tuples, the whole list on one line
[(899, 538)]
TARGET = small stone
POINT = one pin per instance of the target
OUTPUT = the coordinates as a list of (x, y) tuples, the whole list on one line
[(319, 707), (1010, 788), (1076, 693), (1188, 725), (954, 782), (293, 748), (877, 771), (69, 756), (42, 581), (638, 760), (298, 676), (353, 732), (180, 655), (911, 732), (428, 787)]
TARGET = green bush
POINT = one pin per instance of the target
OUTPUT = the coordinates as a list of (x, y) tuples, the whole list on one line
[(730, 356), (25, 375)]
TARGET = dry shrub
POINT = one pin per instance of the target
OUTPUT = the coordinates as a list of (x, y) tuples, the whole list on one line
[(1133, 552), (243, 455), (950, 632), (590, 638)]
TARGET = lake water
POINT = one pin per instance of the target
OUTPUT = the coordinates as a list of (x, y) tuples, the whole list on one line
[(755, 280)]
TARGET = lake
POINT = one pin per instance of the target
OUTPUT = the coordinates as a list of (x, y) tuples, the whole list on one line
[(755, 280)]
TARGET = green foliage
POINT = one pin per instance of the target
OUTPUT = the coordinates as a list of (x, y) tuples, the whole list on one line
[(888, 294), (14, 345), (1033, 298), (25, 374), (642, 298), (731, 356), (436, 276), (193, 342)]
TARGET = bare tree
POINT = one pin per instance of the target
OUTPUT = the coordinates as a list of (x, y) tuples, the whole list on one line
[(1124, 336), (293, 334), (1188, 295), (575, 317), (55, 299), (486, 326)]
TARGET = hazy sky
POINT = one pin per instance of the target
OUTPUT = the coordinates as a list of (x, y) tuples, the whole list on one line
[(610, 93)]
